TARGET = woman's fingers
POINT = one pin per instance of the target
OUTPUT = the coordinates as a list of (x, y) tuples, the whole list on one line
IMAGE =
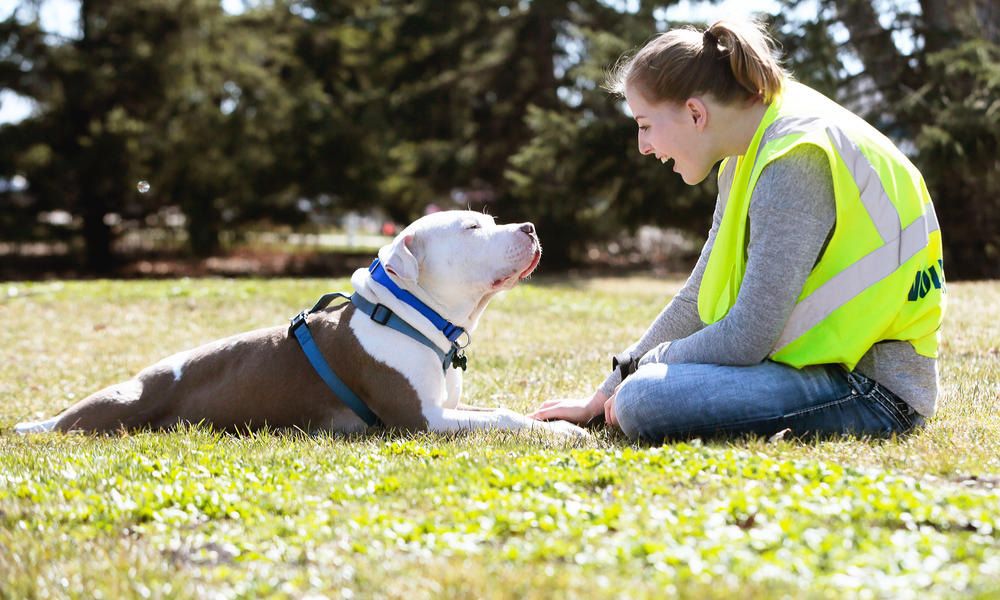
[(574, 410), (551, 411), (569, 409), (609, 412)]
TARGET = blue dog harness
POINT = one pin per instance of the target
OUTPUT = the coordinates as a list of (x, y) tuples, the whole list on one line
[(450, 331), (383, 316)]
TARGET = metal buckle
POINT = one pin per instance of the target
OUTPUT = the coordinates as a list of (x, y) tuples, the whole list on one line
[(297, 320), (625, 364), (377, 317)]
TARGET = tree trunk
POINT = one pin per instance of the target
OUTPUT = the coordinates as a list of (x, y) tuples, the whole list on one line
[(92, 199), (203, 225), (944, 20), (96, 235), (883, 61)]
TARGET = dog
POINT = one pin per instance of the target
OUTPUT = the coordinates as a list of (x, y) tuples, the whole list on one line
[(444, 267)]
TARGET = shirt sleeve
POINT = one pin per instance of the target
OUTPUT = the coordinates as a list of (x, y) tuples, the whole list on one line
[(792, 213), (680, 317)]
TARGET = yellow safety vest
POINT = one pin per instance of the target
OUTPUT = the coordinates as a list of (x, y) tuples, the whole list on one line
[(881, 276)]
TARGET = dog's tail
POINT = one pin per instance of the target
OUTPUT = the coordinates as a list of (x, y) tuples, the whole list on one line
[(36, 426)]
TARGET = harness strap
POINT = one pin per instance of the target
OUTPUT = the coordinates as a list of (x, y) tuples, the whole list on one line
[(382, 315), (301, 330)]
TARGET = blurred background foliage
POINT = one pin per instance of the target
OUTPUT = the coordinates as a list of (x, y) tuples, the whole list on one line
[(284, 110)]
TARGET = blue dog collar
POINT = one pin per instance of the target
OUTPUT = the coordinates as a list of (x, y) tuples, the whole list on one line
[(450, 330)]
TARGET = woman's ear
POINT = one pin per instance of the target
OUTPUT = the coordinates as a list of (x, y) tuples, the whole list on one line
[(698, 112)]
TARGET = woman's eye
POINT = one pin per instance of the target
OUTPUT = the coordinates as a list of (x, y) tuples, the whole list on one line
[(643, 127)]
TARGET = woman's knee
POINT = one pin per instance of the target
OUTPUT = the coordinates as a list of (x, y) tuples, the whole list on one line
[(626, 409), (637, 403)]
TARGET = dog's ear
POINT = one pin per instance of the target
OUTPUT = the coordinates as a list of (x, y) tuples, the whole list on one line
[(400, 261)]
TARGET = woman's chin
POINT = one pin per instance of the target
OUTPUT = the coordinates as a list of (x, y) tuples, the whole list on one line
[(694, 179)]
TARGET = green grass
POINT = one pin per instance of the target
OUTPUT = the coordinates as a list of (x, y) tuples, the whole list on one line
[(196, 514)]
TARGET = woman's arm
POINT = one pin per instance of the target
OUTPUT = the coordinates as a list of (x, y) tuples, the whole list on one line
[(680, 317), (792, 213)]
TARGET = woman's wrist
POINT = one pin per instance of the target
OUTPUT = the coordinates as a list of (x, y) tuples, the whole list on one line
[(597, 401)]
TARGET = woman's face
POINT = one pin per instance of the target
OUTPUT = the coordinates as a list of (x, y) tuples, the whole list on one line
[(674, 132)]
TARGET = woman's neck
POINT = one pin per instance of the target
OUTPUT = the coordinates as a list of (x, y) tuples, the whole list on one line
[(737, 124)]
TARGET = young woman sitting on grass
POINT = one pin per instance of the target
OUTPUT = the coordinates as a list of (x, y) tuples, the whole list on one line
[(816, 302)]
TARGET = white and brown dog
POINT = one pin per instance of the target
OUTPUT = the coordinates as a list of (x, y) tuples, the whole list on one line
[(454, 262)]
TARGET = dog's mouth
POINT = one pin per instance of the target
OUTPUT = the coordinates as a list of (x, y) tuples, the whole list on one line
[(515, 277), (534, 264)]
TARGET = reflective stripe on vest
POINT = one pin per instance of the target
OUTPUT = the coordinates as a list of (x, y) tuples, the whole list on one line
[(899, 244), (889, 245)]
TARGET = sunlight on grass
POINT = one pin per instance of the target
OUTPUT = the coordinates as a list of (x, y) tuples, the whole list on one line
[(194, 513)]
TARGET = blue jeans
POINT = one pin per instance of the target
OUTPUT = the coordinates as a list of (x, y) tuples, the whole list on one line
[(661, 401)]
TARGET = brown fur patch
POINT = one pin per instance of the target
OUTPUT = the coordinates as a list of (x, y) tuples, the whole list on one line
[(257, 378), (385, 390)]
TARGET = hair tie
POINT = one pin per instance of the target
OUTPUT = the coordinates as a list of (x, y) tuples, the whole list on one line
[(710, 40)]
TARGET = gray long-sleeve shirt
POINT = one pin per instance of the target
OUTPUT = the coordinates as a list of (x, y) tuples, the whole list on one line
[(792, 213)]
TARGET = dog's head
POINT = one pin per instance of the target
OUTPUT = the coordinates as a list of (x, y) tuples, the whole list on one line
[(456, 261)]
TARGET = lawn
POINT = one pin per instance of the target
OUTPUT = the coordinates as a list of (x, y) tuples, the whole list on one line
[(194, 514)]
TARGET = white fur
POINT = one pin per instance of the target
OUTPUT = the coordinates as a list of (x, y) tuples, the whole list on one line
[(458, 270), (175, 363), (36, 426)]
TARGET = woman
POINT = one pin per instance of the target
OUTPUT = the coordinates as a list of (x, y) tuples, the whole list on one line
[(816, 302)]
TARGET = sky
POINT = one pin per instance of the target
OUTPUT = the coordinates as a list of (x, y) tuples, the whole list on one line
[(60, 17)]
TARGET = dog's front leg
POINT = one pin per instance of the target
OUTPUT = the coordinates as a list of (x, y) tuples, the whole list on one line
[(453, 387), (453, 420)]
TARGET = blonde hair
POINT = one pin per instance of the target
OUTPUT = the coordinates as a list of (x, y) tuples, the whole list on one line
[(730, 61)]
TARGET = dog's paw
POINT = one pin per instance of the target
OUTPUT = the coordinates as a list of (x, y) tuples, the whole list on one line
[(565, 429)]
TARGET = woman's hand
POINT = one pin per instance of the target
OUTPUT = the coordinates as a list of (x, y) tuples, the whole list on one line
[(575, 410), (609, 410)]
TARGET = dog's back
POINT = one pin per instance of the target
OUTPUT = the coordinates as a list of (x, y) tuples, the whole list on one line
[(248, 381)]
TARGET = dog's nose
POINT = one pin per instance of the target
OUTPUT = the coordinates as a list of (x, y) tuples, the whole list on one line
[(528, 228)]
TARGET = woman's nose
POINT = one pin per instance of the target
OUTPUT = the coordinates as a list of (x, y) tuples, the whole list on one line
[(644, 146)]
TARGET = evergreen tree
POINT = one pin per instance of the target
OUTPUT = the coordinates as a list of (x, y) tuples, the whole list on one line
[(930, 80), (95, 93), (580, 177), (399, 104)]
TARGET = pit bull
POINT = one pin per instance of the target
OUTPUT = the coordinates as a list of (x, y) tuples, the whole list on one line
[(446, 266)]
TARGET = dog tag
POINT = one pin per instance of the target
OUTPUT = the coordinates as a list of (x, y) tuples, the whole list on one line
[(459, 361)]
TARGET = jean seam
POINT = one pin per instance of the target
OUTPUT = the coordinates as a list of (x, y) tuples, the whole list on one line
[(734, 424), (889, 407), (824, 406), (884, 399), (720, 427)]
